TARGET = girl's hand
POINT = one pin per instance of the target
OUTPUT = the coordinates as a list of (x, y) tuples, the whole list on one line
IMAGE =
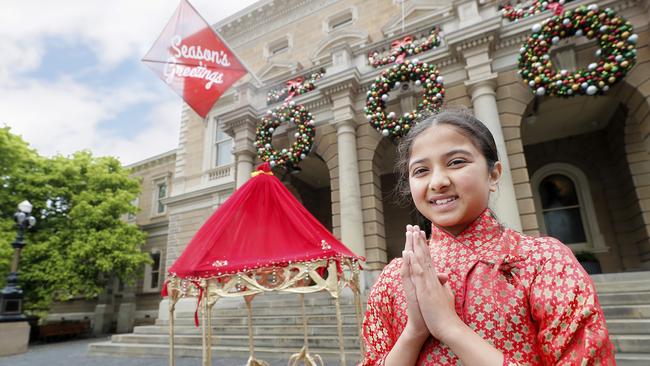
[(415, 325), (434, 295)]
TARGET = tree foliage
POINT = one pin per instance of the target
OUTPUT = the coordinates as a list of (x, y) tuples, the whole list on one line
[(81, 240)]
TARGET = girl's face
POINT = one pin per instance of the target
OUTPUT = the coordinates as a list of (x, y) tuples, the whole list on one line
[(449, 178)]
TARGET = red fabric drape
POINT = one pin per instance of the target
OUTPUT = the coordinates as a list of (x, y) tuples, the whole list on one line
[(261, 225)]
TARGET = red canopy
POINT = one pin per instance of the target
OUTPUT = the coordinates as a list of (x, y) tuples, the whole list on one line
[(261, 225)]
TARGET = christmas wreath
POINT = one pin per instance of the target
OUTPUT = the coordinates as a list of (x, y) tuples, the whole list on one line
[(304, 136), (405, 47), (617, 52), (513, 14), (423, 74), (297, 86)]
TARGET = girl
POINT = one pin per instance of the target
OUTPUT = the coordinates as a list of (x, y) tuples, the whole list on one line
[(479, 293)]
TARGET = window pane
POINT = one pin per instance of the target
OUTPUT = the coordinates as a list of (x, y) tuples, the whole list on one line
[(557, 191), (220, 134), (341, 22), (154, 280), (565, 225), (155, 257), (224, 154), (162, 190)]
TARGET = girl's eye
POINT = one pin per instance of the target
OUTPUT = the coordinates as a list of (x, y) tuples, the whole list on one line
[(457, 162), (419, 171)]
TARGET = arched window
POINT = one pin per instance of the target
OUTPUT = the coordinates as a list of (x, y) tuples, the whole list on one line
[(565, 208), (561, 209)]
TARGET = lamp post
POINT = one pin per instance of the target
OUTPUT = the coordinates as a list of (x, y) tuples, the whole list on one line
[(11, 297)]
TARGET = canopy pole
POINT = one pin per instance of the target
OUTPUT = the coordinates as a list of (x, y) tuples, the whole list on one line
[(172, 306), (204, 329), (209, 306), (251, 347), (304, 323), (339, 326), (356, 288)]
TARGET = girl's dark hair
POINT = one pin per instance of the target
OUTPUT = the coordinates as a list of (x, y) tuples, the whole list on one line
[(464, 122)]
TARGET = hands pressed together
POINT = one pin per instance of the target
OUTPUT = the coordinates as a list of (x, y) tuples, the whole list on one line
[(430, 301)]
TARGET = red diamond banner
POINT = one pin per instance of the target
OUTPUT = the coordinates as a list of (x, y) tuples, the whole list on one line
[(191, 58)]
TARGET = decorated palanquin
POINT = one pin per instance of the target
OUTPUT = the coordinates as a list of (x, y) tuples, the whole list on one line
[(527, 296), (261, 240)]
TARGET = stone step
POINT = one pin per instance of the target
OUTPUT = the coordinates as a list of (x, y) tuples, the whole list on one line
[(280, 311), (631, 343), (641, 311), (288, 342), (160, 350), (628, 326), (319, 329), (624, 298), (268, 320), (633, 359), (622, 282), (281, 300)]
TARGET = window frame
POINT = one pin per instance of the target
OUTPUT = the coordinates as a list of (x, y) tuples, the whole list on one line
[(149, 270), (338, 20), (215, 145), (595, 241), (155, 202)]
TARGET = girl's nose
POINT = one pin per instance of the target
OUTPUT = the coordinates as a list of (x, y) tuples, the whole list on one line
[(439, 180)]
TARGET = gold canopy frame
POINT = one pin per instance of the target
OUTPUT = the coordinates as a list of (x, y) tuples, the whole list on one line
[(331, 275)]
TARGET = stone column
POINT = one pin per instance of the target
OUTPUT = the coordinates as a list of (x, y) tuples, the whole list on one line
[(349, 188), (243, 132), (245, 160), (484, 101)]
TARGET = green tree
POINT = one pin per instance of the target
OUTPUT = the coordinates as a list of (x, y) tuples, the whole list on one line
[(81, 240)]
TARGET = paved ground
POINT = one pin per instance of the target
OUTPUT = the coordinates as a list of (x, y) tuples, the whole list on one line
[(74, 353)]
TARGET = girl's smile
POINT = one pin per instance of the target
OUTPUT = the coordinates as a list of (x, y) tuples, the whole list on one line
[(449, 179)]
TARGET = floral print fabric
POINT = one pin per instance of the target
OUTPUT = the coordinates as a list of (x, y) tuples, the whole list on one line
[(528, 297)]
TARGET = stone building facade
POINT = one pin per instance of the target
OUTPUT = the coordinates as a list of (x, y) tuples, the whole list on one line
[(598, 148)]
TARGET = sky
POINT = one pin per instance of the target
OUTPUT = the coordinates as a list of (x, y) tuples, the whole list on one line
[(71, 76)]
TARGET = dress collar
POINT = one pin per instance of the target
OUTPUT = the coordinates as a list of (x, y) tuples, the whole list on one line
[(486, 228)]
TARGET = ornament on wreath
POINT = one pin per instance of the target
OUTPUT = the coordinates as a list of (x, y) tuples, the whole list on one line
[(515, 13), (422, 74), (616, 53), (297, 86), (402, 48), (289, 111)]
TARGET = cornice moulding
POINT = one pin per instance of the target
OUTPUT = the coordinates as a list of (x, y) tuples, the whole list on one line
[(153, 161), (194, 196), (473, 35), (239, 117), (334, 83)]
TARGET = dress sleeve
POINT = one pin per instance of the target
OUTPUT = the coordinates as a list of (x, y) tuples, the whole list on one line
[(379, 332), (564, 304)]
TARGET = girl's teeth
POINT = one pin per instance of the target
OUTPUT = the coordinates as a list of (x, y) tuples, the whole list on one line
[(442, 202)]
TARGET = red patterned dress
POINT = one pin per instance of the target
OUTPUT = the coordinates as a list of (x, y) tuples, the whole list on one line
[(527, 296)]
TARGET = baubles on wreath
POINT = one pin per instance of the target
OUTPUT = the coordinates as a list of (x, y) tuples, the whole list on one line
[(422, 74)]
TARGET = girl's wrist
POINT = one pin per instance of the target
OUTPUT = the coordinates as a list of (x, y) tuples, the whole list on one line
[(454, 332), (415, 337)]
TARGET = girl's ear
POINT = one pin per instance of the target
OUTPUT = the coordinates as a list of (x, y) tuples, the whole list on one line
[(495, 175)]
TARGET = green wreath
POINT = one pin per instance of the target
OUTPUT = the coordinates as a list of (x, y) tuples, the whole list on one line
[(616, 53), (423, 74), (304, 136)]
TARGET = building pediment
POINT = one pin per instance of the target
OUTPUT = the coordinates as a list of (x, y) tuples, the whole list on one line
[(417, 14), (279, 69), (350, 37)]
